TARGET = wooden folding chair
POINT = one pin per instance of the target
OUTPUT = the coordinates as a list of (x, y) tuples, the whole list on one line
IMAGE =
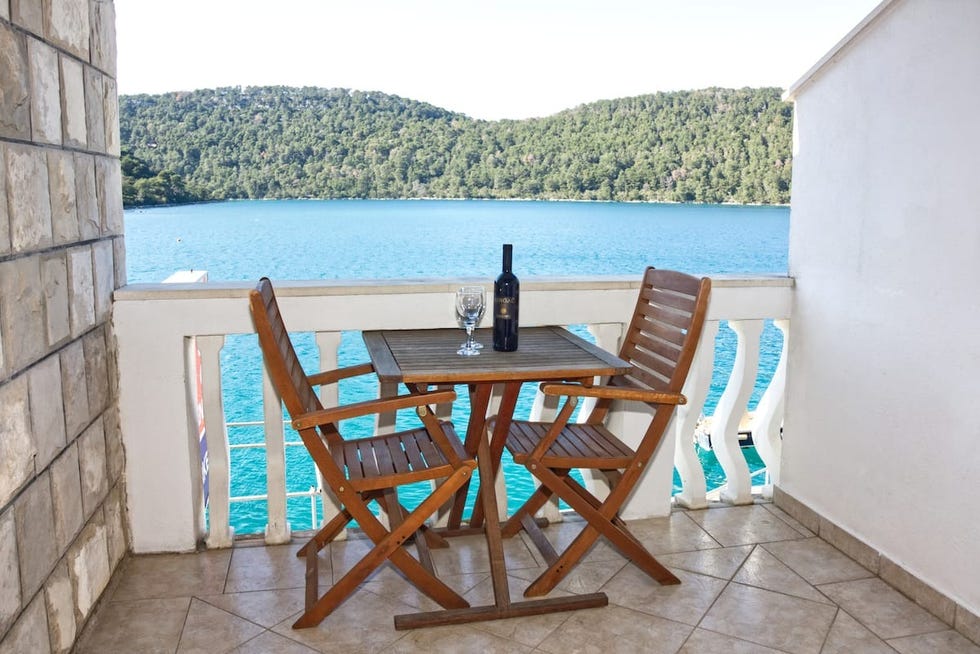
[(359, 471), (660, 343)]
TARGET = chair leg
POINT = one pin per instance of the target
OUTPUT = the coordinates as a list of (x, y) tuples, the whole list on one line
[(595, 513), (529, 508), (388, 546), (327, 533)]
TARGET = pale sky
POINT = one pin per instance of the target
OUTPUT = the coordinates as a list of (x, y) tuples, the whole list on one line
[(503, 59)]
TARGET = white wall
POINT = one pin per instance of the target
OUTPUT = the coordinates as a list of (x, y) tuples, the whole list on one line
[(882, 435)]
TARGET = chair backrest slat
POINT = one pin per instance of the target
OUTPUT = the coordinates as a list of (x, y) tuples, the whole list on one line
[(665, 329), (282, 363)]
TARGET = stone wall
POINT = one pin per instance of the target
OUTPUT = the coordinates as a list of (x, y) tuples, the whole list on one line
[(61, 256)]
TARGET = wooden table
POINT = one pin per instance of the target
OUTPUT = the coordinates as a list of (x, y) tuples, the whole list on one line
[(419, 358)]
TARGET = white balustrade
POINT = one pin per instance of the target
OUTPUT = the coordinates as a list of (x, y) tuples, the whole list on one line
[(153, 324)]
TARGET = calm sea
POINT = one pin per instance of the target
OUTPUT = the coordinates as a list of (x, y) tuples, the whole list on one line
[(387, 239)]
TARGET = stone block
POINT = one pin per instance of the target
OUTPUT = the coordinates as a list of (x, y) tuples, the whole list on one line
[(66, 495), (34, 518), (103, 278), (4, 14), (917, 590), (28, 202), (86, 197), (22, 311), (115, 526), (45, 92), (94, 112), (110, 105), (81, 290), (849, 544), (9, 573), (60, 603), (75, 387), (16, 446), (88, 566), (15, 80), (104, 35), (47, 410), (4, 219), (119, 261), (68, 25), (115, 455), (27, 14), (108, 182), (968, 623), (61, 189), (30, 633), (92, 467), (96, 371), (73, 103), (54, 282)]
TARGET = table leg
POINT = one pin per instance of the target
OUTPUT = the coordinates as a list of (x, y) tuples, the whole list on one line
[(508, 403), (479, 401)]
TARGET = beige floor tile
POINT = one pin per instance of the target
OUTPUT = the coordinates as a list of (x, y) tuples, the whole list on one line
[(364, 623), (272, 568), (882, 609), (764, 570), (788, 519), (469, 554), (817, 561), (584, 578), (686, 602), (771, 619), (452, 640), (848, 636), (271, 643), (615, 630), (209, 630), (344, 555), (708, 642), (948, 642), (588, 577), (145, 626), (173, 575), (743, 525), (394, 586), (678, 532), (721, 562), (561, 535), (265, 607)]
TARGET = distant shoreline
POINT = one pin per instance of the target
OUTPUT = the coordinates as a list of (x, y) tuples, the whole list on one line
[(570, 200)]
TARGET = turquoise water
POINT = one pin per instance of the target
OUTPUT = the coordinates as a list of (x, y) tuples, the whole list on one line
[(385, 239)]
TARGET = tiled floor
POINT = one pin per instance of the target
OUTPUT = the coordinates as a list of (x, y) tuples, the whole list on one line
[(753, 581)]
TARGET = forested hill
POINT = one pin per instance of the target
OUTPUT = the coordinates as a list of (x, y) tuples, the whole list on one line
[(712, 145)]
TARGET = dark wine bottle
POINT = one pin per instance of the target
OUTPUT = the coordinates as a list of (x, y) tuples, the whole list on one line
[(506, 293)]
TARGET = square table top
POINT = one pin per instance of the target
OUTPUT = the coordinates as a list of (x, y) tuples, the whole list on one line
[(429, 356)]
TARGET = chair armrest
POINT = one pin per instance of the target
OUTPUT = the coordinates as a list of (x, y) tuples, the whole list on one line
[(333, 376), (381, 405), (614, 393)]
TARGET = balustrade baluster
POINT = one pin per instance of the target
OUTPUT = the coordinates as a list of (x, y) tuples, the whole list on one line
[(328, 345), (220, 532), (731, 408), (277, 529), (694, 490), (769, 416)]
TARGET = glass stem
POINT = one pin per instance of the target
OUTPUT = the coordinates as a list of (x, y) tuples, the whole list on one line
[(469, 336)]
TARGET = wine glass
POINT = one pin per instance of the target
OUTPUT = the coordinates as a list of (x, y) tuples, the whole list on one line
[(470, 304)]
